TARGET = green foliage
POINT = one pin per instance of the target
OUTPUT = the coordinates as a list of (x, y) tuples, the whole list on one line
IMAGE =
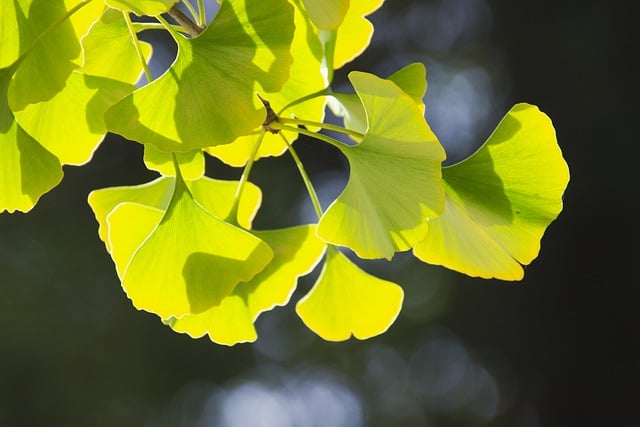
[(183, 244)]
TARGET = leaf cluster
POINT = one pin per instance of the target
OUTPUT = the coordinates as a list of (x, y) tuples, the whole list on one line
[(183, 245)]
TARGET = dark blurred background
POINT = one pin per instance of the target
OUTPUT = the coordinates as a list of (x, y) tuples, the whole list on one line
[(557, 349)]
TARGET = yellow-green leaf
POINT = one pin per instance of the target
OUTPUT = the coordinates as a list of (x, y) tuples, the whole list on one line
[(142, 7), (70, 125), (500, 200), (326, 14), (296, 251), (354, 34), (191, 162), (191, 260), (412, 79), (347, 301), (108, 50), (207, 97), (305, 77), (27, 170), (43, 30), (395, 178)]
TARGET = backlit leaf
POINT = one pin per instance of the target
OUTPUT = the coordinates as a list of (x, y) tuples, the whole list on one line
[(395, 178), (347, 301), (500, 200), (354, 34), (27, 170), (174, 258), (109, 52), (142, 7), (207, 97), (305, 78), (216, 196), (411, 79), (326, 14), (296, 251), (191, 162), (45, 43), (70, 125), (191, 260)]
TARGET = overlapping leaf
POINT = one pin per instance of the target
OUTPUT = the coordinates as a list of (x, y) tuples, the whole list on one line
[(142, 7), (176, 257), (354, 34), (70, 125), (207, 97), (347, 301), (108, 50), (395, 178), (411, 79), (191, 162), (500, 200), (296, 251), (305, 78), (27, 170), (326, 14), (42, 30)]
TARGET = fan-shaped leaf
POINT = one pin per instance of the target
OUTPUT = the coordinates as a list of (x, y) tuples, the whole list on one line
[(305, 78), (190, 261), (70, 125), (411, 79), (354, 34), (191, 162), (27, 170), (207, 97), (345, 300), (215, 196), (395, 179), (296, 252), (42, 30), (108, 50), (500, 200), (326, 14)]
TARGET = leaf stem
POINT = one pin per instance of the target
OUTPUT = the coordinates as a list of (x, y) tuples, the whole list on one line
[(322, 92), (143, 26), (202, 15), (305, 177), (316, 135), (326, 126), (136, 44), (181, 18), (190, 8), (233, 213)]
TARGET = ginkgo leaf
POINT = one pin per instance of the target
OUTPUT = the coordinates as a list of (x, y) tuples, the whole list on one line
[(191, 260), (347, 301), (354, 34), (108, 50), (142, 7), (42, 30), (207, 97), (216, 196), (305, 77), (191, 162), (155, 194), (296, 252), (412, 79), (500, 200), (326, 14), (70, 125), (27, 170), (395, 177)]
